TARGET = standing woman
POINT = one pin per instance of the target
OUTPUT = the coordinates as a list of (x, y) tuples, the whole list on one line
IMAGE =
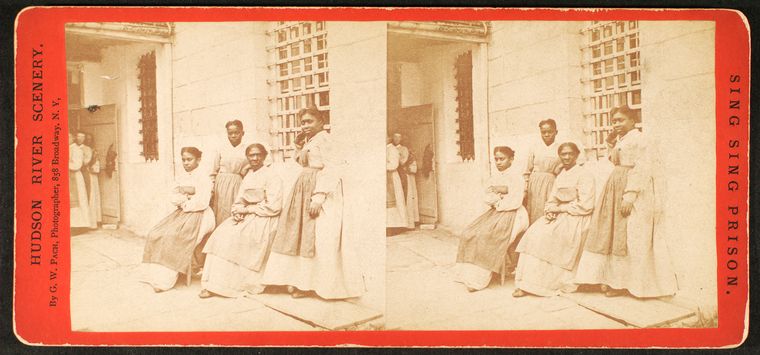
[(395, 201), (550, 248), (79, 214), (171, 243), (237, 251), (307, 251), (230, 165), (543, 166), (486, 246), (624, 250), (93, 169), (407, 170)]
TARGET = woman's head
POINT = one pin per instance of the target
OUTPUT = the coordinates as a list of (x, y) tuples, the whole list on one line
[(256, 153), (623, 119), (234, 132), (548, 128), (88, 140), (396, 138), (312, 121), (568, 153), (503, 157), (80, 138), (191, 157)]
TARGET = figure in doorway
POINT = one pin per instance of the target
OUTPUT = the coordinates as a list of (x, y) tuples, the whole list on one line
[(407, 171), (79, 214), (93, 170), (395, 201)]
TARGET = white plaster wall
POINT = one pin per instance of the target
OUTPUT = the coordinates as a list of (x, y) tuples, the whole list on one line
[(219, 74), (457, 204), (358, 120), (142, 183), (678, 108), (533, 74)]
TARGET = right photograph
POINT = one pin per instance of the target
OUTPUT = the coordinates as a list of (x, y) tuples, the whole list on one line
[(550, 175)]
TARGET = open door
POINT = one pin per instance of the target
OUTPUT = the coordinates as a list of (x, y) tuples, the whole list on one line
[(415, 123), (102, 124)]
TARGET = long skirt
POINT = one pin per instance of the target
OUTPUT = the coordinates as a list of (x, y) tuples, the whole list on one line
[(236, 254), (412, 204), (487, 247), (171, 244), (94, 201), (79, 214), (539, 187), (396, 215), (327, 273), (641, 264), (549, 255), (226, 188)]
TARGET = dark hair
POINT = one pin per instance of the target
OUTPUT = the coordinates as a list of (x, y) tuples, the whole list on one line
[(311, 110), (261, 148), (234, 123), (192, 150), (504, 150), (626, 111), (571, 145), (548, 121)]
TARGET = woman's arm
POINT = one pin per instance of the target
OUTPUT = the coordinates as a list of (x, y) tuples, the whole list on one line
[(512, 200), (272, 205), (200, 200), (584, 205)]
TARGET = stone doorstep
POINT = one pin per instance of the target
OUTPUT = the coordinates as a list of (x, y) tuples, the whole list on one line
[(326, 314), (641, 313)]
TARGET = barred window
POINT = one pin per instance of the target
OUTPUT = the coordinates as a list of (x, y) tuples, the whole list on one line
[(465, 131), (301, 79), (149, 120), (611, 77)]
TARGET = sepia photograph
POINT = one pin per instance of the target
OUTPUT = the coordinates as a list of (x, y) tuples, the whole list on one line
[(381, 177), (550, 175), (227, 176), (221, 177)]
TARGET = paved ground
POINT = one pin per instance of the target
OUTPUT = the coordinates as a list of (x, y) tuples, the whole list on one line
[(421, 294), (106, 296)]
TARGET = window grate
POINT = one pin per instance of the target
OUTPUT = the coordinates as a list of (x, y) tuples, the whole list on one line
[(301, 79), (149, 120), (611, 77), (466, 134)]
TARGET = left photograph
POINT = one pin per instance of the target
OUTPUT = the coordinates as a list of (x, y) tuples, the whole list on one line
[(225, 176)]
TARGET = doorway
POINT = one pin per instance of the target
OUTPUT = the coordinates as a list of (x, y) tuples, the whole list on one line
[(415, 124), (101, 122)]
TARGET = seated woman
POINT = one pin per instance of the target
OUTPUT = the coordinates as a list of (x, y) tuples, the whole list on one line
[(486, 247), (237, 251), (172, 241), (550, 248)]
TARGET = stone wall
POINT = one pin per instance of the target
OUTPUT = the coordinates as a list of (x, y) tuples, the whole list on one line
[(358, 117)]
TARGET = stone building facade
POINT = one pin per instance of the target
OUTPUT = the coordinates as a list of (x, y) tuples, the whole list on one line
[(462, 86)]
